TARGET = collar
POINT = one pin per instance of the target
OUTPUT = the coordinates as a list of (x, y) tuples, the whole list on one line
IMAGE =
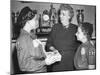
[(65, 27), (24, 32), (86, 43), (32, 34)]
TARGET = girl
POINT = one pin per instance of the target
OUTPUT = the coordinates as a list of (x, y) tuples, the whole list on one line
[(85, 55), (30, 53)]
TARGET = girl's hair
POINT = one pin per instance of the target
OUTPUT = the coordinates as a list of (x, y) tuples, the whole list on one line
[(25, 14), (87, 28), (67, 7)]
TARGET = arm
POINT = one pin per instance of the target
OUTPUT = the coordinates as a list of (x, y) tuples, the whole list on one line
[(27, 55), (51, 38)]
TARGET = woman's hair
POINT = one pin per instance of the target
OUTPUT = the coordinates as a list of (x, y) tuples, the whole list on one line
[(87, 28), (25, 14), (69, 8)]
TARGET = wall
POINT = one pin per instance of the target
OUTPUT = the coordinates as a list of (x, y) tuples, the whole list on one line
[(89, 11)]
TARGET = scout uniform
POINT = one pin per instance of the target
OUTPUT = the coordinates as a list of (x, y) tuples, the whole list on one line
[(84, 56), (30, 58)]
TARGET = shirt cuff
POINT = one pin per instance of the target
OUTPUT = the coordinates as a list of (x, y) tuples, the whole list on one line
[(91, 66)]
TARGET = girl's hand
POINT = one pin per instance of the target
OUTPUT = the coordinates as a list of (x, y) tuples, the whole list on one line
[(49, 60)]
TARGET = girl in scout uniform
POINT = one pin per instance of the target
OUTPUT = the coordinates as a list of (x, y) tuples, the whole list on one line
[(31, 57), (85, 54)]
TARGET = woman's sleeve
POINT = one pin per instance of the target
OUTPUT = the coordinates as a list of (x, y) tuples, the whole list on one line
[(51, 38)]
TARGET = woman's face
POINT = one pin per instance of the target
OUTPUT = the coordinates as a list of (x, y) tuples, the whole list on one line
[(34, 22), (64, 17)]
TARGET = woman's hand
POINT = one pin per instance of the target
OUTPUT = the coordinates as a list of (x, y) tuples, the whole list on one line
[(52, 48), (53, 57), (49, 60)]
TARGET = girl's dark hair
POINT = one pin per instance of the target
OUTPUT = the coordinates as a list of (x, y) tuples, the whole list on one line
[(87, 28), (25, 14)]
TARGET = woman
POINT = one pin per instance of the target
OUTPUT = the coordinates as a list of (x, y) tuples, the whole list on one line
[(31, 57), (62, 38)]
